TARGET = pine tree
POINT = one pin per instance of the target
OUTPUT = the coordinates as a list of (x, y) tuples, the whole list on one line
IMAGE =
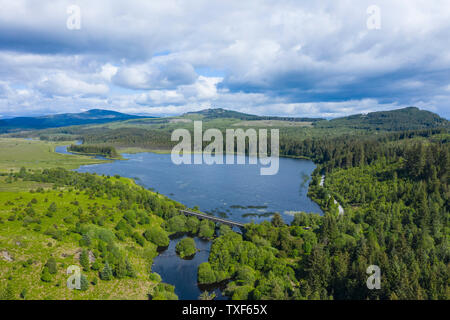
[(277, 220), (106, 273), (84, 283), (84, 260), (120, 271), (130, 270)]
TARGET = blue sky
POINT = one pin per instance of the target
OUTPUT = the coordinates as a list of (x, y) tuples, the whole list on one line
[(285, 57)]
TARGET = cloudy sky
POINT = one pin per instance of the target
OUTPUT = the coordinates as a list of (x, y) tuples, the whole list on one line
[(166, 57)]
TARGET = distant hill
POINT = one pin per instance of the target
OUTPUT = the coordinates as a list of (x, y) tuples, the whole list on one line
[(223, 113), (94, 116), (410, 118)]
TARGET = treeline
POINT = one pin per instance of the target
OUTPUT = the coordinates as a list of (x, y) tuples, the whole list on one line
[(352, 150), (106, 151), (126, 137)]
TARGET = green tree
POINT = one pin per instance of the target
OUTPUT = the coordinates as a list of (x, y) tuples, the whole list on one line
[(205, 295), (206, 231), (51, 265), (120, 270), (158, 236), (277, 221), (186, 247), (84, 283), (206, 274), (46, 276), (106, 274), (84, 260)]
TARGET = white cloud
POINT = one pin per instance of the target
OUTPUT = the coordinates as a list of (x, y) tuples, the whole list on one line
[(62, 85), (108, 71), (281, 57), (158, 73)]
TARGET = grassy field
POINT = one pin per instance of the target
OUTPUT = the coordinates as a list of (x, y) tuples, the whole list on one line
[(35, 154), (26, 244)]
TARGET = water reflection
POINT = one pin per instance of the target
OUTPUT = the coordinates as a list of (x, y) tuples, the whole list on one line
[(182, 273)]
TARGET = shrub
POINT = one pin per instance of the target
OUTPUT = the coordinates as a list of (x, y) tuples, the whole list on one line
[(206, 230), (45, 275), (206, 274), (84, 283), (186, 247), (51, 265), (138, 238), (158, 236)]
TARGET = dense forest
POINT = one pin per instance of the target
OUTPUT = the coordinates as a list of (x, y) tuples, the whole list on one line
[(410, 118), (106, 151)]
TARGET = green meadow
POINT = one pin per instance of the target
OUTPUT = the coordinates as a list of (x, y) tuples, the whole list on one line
[(58, 222), (35, 154)]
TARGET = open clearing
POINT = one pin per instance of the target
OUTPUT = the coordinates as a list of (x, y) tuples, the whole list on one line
[(36, 154)]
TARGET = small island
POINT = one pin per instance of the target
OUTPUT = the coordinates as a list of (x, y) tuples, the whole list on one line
[(98, 150), (186, 248)]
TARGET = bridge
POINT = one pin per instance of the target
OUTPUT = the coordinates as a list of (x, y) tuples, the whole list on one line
[(212, 218)]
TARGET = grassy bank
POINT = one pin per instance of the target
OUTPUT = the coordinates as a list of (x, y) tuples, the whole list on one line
[(34, 154)]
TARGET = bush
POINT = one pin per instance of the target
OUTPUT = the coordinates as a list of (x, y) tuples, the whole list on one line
[(245, 275), (138, 238), (46, 276), (177, 224), (84, 260), (155, 277), (8, 293), (241, 293), (84, 283), (206, 229), (96, 265), (158, 236), (51, 265), (192, 225), (206, 274), (186, 247), (163, 291)]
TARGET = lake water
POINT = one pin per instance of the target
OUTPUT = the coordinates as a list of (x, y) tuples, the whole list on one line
[(183, 273), (236, 192)]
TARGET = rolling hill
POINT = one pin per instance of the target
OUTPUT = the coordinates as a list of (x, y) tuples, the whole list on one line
[(94, 116), (410, 118), (218, 113)]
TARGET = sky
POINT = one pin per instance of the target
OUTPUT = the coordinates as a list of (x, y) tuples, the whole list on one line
[(281, 57)]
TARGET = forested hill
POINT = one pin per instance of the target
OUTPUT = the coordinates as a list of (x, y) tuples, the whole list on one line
[(94, 116), (219, 113), (410, 118)]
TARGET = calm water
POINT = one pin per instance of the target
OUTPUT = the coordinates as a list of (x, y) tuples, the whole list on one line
[(183, 273), (236, 192)]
